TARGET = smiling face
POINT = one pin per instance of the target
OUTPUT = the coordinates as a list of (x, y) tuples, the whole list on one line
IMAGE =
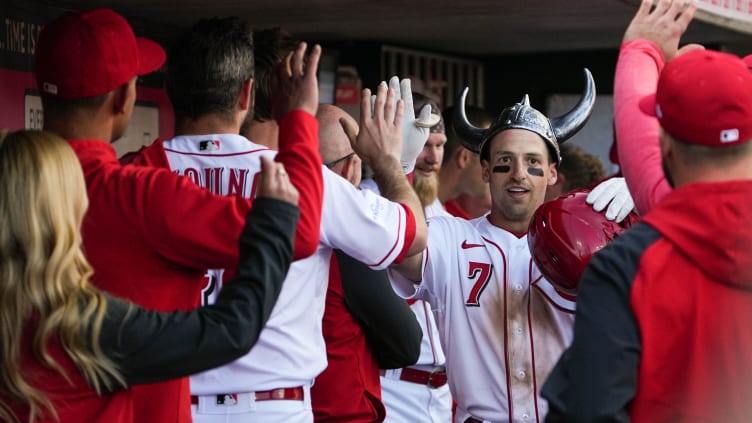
[(427, 166), (519, 169)]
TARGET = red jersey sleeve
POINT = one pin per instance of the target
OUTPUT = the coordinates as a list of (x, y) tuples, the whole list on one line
[(299, 152)]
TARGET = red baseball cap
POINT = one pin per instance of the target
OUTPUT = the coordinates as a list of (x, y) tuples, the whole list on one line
[(85, 54), (704, 97), (748, 61)]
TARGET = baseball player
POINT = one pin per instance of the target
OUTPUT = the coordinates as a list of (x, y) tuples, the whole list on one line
[(650, 41), (501, 324), (662, 327), (461, 187), (419, 393), (150, 222), (272, 383), (365, 324)]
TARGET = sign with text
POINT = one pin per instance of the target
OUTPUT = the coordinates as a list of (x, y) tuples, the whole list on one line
[(142, 130), (19, 31), (732, 14), (33, 117)]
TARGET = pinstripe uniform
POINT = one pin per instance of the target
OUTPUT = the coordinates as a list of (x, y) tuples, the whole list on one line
[(502, 326)]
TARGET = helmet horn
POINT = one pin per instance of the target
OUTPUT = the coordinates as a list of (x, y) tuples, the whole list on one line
[(568, 124), (469, 135)]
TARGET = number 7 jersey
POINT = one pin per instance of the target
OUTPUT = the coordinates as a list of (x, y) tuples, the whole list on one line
[(501, 324)]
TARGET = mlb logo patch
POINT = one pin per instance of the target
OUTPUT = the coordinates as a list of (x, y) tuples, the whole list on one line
[(730, 135), (227, 399), (208, 145)]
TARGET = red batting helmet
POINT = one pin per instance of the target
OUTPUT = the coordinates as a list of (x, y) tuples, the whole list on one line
[(564, 233)]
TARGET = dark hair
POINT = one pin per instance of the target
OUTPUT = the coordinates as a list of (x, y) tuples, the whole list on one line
[(476, 115), (207, 66), (581, 169), (272, 47), (64, 108)]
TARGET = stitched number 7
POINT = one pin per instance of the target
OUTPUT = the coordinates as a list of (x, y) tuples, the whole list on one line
[(481, 271)]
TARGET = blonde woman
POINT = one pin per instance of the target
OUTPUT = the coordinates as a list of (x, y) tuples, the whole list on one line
[(69, 351)]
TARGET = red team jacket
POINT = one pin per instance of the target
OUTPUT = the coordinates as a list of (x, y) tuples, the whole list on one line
[(353, 390), (663, 313), (150, 236)]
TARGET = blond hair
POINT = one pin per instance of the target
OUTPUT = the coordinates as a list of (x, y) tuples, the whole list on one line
[(44, 277)]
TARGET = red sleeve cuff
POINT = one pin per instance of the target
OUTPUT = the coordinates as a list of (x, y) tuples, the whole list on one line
[(409, 233)]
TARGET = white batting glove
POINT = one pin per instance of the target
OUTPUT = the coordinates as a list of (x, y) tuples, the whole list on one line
[(614, 194), (414, 137), (414, 131)]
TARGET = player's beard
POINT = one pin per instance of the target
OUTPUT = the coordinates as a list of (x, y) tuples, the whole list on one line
[(427, 188)]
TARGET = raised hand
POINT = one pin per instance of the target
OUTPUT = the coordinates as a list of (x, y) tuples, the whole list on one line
[(664, 25), (294, 83), (414, 131), (380, 136)]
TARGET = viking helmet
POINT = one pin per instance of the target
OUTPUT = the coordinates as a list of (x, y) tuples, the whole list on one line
[(523, 116)]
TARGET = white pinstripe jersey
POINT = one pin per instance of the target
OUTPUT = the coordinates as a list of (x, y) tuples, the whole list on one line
[(290, 350), (431, 354), (502, 326)]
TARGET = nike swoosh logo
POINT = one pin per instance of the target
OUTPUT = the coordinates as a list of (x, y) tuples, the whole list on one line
[(465, 245)]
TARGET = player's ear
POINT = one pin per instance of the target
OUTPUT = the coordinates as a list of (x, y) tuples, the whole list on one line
[(486, 169), (123, 95), (347, 169), (552, 174), (351, 170), (462, 157), (665, 143), (245, 96)]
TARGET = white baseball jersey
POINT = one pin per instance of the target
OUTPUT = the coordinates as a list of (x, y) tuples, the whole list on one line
[(415, 403), (407, 401), (435, 209), (502, 326), (431, 354), (290, 351), (412, 402)]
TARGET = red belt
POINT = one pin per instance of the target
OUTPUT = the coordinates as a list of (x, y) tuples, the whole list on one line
[(435, 379), (292, 394)]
